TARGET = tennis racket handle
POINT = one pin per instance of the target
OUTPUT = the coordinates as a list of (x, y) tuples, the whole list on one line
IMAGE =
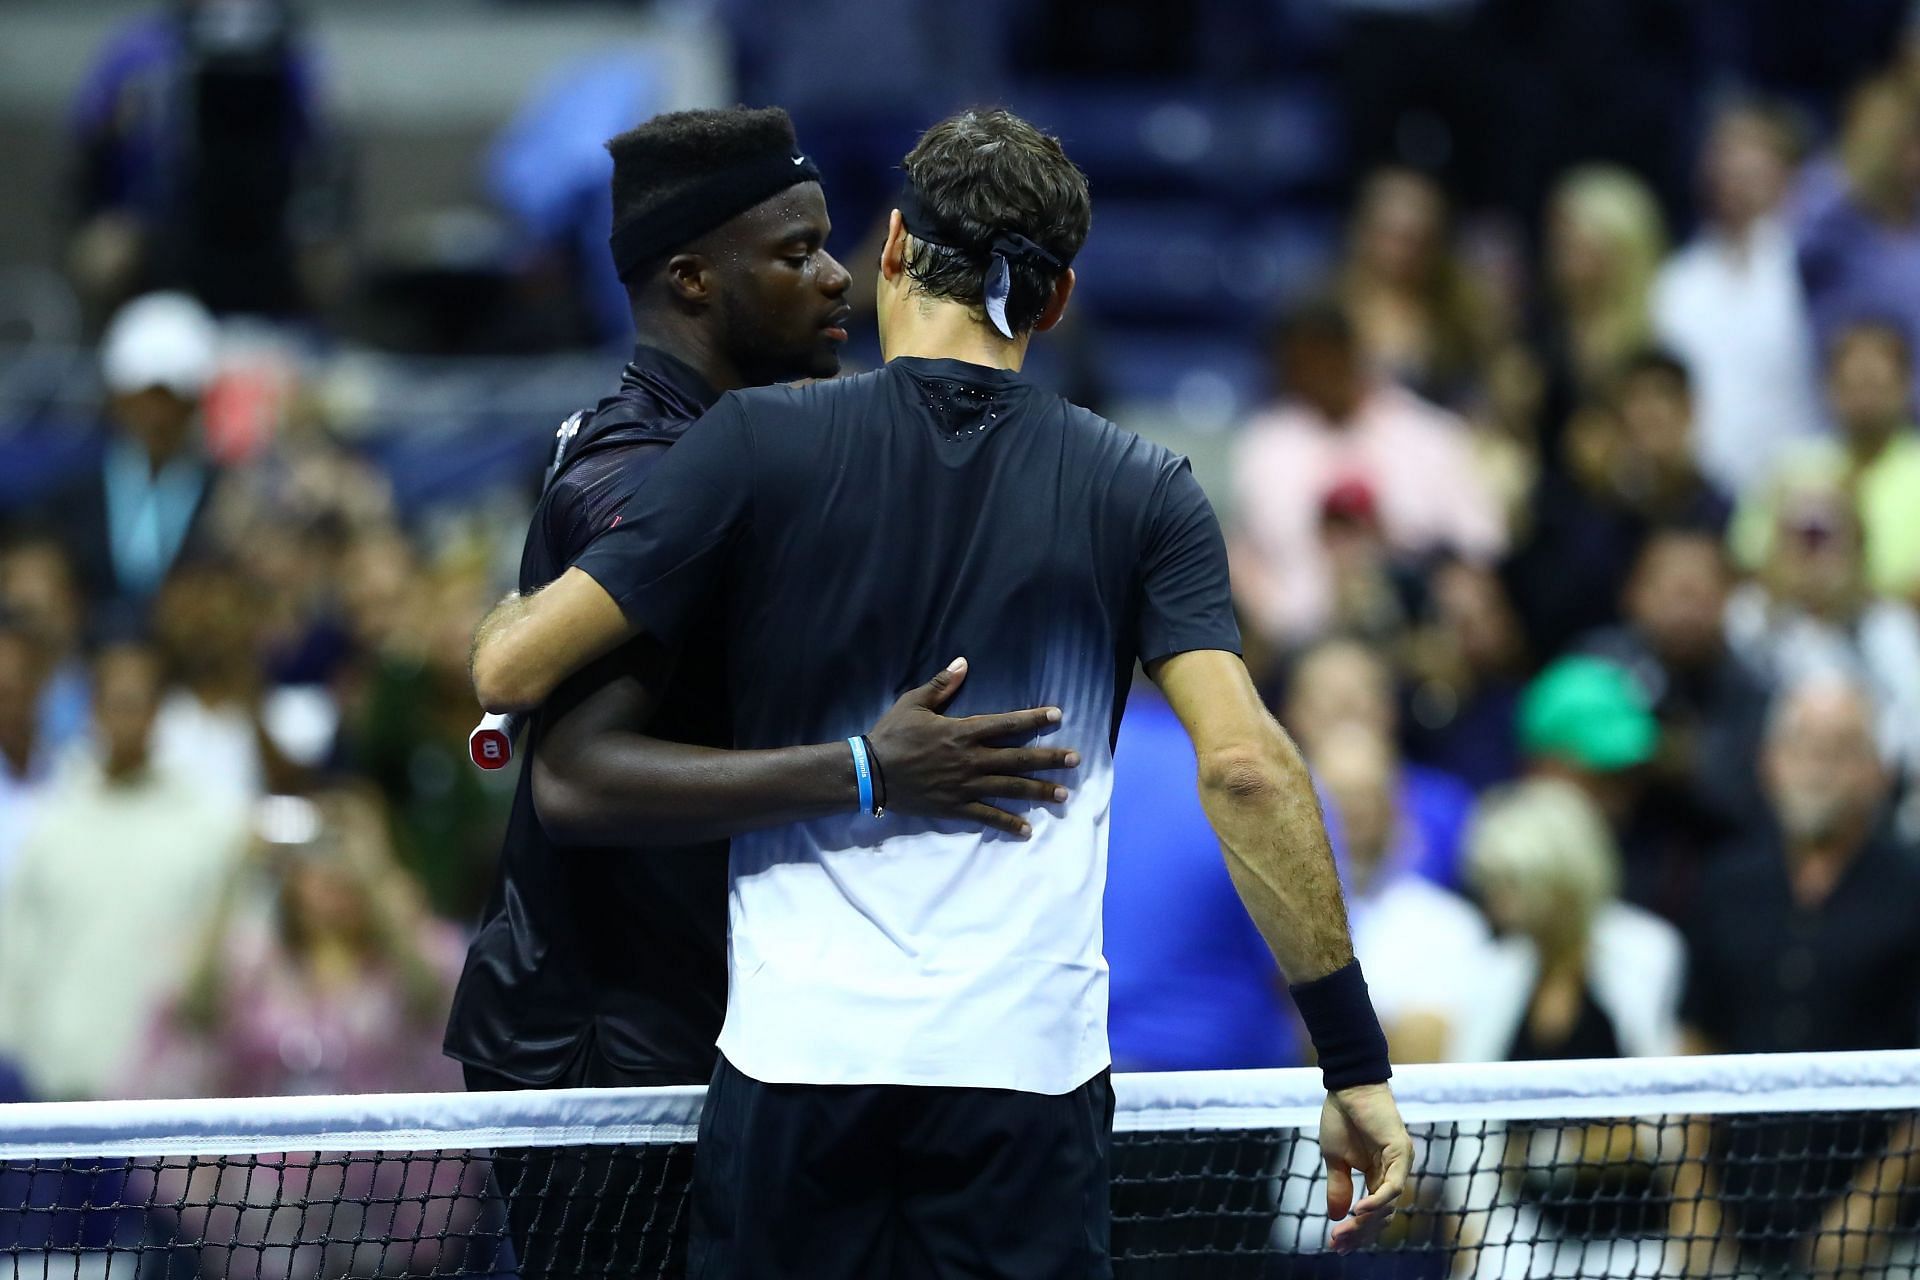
[(491, 742)]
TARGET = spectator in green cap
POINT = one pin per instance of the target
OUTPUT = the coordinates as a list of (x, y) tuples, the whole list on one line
[(1586, 721), (1586, 716)]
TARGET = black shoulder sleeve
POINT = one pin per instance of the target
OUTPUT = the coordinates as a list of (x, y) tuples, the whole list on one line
[(675, 542), (1186, 600)]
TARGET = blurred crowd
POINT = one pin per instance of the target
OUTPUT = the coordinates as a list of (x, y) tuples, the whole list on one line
[(1578, 546), (239, 834), (1593, 609)]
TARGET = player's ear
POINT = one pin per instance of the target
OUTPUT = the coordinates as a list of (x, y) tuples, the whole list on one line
[(893, 254), (1057, 303), (690, 278)]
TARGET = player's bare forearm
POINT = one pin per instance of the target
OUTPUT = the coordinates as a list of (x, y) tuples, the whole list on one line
[(598, 779), (1261, 803), (1263, 808), (1255, 789), (528, 644), (637, 788)]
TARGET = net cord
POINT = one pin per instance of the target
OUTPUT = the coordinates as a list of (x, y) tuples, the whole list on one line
[(1145, 1103)]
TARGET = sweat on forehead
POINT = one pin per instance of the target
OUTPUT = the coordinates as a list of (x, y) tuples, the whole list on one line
[(797, 209)]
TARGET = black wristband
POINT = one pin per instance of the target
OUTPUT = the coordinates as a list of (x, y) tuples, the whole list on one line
[(879, 777), (1346, 1035)]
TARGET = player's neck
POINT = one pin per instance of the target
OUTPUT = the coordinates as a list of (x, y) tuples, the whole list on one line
[(948, 331), (692, 345)]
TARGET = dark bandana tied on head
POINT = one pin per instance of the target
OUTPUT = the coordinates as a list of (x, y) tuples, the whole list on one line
[(1001, 251)]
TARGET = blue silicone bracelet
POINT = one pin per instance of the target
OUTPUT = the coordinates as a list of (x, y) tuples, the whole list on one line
[(862, 773)]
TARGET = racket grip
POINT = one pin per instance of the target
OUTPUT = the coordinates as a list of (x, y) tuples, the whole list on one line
[(491, 742)]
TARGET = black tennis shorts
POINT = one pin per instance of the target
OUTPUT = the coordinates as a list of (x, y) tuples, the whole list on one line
[(900, 1182)]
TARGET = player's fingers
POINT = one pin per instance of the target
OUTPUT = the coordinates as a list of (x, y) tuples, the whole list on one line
[(996, 819), (1358, 1232), (938, 692), (1009, 724), (1010, 788), (1029, 759), (1379, 1198), (1339, 1188), (1391, 1181)]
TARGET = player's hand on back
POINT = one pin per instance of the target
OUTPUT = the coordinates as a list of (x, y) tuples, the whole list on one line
[(939, 766), (1361, 1132)]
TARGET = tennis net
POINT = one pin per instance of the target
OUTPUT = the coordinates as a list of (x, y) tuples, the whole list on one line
[(1791, 1164)]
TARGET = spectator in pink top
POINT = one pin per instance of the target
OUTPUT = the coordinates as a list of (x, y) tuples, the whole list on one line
[(342, 987), (1341, 430)]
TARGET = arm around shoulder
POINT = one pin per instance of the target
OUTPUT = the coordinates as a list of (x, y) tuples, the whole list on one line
[(528, 644)]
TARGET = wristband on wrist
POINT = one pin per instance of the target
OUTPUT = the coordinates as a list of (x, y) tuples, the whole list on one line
[(879, 777), (1346, 1034), (862, 773)]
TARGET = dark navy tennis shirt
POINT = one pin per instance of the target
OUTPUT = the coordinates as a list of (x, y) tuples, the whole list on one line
[(611, 954)]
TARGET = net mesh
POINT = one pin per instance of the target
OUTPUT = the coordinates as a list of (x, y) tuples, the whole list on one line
[(1795, 1165)]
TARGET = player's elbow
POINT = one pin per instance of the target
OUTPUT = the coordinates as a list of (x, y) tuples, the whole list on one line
[(502, 694), (1251, 774), (566, 810), (502, 685)]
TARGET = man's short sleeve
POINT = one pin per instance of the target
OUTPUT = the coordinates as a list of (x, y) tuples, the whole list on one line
[(674, 541), (1186, 601)]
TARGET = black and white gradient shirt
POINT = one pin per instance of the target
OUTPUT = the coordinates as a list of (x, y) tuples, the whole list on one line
[(857, 535)]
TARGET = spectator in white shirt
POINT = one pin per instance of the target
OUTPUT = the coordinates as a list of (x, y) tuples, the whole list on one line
[(123, 863), (1422, 945), (223, 723), (1731, 305)]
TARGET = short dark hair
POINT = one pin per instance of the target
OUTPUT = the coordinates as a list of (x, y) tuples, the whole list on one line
[(663, 157), (1655, 362), (1316, 319), (1784, 125), (984, 173), (1872, 329), (1693, 532)]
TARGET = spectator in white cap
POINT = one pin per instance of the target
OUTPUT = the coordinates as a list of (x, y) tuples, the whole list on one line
[(129, 519)]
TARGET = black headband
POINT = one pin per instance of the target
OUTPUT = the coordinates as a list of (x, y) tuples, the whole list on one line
[(710, 201), (999, 252)]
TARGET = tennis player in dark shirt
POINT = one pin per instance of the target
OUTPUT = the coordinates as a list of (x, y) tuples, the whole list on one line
[(601, 956), (914, 1072)]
